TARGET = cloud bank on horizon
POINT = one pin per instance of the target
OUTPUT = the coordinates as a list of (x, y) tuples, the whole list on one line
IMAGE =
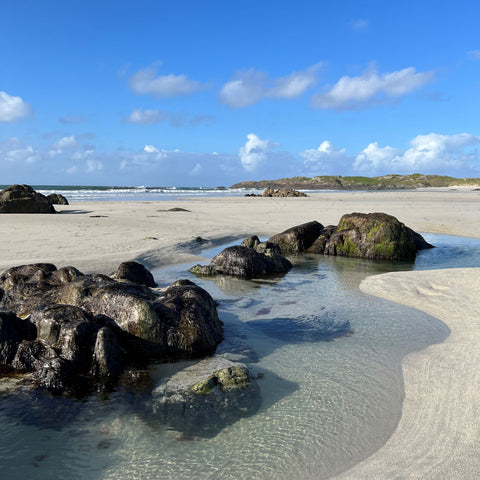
[(343, 93)]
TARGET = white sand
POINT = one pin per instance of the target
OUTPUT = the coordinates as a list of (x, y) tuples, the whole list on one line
[(438, 436)]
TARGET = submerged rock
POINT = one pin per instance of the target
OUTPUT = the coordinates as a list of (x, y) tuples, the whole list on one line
[(202, 399)]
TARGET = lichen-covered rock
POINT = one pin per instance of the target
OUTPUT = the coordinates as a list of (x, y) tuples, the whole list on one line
[(24, 199), (372, 235), (134, 272), (299, 238), (204, 398), (246, 262)]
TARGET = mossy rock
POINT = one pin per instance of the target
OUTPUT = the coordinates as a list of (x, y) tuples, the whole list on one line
[(372, 235)]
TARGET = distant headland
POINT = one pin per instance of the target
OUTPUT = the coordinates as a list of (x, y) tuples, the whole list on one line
[(385, 182)]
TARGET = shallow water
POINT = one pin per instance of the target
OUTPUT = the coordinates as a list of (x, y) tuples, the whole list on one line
[(326, 403)]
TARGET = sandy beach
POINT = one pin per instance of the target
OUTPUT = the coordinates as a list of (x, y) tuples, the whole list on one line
[(437, 436)]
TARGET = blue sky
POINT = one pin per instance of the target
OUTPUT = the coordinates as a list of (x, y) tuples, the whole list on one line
[(186, 93)]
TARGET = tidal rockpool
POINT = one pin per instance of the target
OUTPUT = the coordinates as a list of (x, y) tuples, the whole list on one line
[(328, 358)]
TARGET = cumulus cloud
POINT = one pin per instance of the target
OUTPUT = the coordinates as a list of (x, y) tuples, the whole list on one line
[(65, 142), (324, 159), (427, 153), (254, 152), (370, 88), (147, 81), (250, 87), (13, 109), (146, 117)]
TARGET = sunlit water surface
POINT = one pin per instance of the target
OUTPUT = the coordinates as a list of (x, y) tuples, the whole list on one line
[(326, 405)]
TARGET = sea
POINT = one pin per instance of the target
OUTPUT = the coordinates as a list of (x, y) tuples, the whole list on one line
[(327, 401), (76, 193)]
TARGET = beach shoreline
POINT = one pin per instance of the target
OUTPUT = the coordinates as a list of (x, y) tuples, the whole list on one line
[(440, 409)]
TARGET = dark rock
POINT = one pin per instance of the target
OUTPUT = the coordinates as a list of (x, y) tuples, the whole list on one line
[(318, 246), (419, 241), (24, 199), (299, 238), (244, 262), (83, 328), (136, 273), (372, 235), (189, 316), (13, 331), (69, 330), (204, 398), (57, 199), (108, 359)]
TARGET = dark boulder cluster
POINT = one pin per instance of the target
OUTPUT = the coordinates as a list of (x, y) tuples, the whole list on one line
[(24, 199), (250, 258), (375, 236), (68, 329)]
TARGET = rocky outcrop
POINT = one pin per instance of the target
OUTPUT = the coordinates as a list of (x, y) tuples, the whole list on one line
[(283, 192), (242, 261), (375, 236), (62, 325), (299, 238), (202, 399), (24, 199), (57, 199)]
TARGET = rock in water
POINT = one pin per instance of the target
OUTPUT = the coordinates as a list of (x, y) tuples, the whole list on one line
[(246, 262), (24, 199), (89, 327), (299, 238), (204, 398), (375, 236)]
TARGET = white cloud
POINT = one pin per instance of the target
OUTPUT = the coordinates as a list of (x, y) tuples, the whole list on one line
[(245, 88), (325, 159), (150, 149), (250, 87), (65, 143), (427, 153), (94, 166), (146, 117), (254, 152), (146, 81), (13, 108), (356, 93)]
